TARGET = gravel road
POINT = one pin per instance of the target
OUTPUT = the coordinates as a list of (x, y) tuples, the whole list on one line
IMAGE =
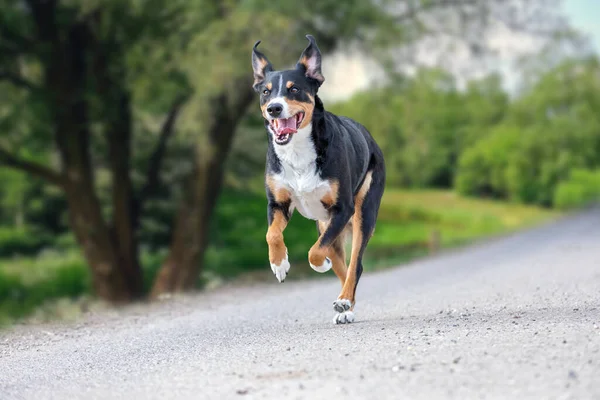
[(512, 318)]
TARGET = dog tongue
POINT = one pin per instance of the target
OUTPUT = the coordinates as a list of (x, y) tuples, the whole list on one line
[(287, 125)]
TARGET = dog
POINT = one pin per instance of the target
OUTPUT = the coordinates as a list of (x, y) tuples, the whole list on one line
[(327, 167)]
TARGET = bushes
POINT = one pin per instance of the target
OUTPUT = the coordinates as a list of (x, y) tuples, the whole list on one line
[(423, 124), (526, 164), (22, 241), (482, 169), (26, 284), (582, 188), (550, 130), (238, 234)]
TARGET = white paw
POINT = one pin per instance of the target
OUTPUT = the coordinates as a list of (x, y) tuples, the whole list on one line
[(323, 268), (341, 305), (346, 317), (282, 269)]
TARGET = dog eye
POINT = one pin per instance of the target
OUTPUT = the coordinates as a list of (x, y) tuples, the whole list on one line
[(294, 89), (266, 92)]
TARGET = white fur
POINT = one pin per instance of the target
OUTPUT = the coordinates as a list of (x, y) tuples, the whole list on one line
[(341, 305), (344, 314), (312, 65), (322, 268), (285, 113), (282, 269), (300, 177), (280, 91), (347, 317)]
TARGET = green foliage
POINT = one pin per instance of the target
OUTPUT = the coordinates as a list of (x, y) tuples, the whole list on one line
[(424, 123), (22, 241), (241, 224), (580, 189), (26, 284), (550, 130), (140, 56), (407, 220), (482, 167)]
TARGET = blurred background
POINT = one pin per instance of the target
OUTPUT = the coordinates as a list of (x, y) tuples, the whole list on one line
[(132, 148)]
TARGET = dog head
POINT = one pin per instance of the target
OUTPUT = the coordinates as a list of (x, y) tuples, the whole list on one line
[(287, 98)]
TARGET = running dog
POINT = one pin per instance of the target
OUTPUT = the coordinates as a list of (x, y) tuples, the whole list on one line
[(327, 167)]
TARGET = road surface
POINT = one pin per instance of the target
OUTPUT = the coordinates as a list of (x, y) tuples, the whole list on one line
[(514, 318)]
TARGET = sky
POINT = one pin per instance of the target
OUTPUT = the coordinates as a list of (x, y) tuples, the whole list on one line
[(347, 73), (585, 16)]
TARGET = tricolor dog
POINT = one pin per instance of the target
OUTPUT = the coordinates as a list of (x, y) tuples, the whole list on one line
[(327, 167)]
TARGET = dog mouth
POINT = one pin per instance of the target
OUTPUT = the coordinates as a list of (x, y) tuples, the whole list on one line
[(284, 128)]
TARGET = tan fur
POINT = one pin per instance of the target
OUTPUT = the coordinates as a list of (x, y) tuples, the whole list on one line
[(317, 253), (277, 249), (281, 195), (337, 254), (262, 64), (357, 238), (331, 197), (294, 108), (289, 84), (304, 61), (338, 260), (298, 106)]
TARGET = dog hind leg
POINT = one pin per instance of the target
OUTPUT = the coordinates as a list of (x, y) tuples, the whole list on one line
[(336, 252), (363, 223)]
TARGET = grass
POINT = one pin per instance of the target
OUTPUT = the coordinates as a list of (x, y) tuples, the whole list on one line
[(28, 283), (408, 221)]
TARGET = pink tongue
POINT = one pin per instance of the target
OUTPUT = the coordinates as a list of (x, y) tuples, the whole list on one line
[(286, 126)]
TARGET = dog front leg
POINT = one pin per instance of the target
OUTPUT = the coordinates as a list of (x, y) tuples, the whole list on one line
[(317, 256), (278, 215)]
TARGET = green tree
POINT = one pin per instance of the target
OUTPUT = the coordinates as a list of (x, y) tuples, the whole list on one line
[(424, 123), (485, 104), (94, 91), (70, 65), (551, 129)]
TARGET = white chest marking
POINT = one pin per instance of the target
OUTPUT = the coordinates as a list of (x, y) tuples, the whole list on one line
[(300, 177)]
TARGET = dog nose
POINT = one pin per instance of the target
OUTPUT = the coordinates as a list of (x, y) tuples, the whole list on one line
[(275, 109)]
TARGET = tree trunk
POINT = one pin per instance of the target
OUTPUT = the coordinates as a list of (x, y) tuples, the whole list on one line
[(187, 245), (109, 73), (94, 237), (183, 265), (110, 253), (123, 229)]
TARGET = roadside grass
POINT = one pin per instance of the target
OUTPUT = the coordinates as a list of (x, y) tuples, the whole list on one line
[(56, 284), (413, 223)]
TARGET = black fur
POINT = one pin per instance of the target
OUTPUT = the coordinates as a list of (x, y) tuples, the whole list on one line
[(345, 150)]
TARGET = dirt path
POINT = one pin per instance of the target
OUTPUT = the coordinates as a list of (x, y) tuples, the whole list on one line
[(517, 318)]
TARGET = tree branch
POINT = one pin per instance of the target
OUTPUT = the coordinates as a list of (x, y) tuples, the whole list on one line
[(157, 157), (30, 167), (17, 80), (22, 42)]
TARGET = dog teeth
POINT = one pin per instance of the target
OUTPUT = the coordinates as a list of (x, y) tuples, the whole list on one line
[(283, 138)]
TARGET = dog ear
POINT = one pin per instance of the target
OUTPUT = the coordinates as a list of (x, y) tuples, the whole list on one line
[(310, 61), (260, 65)]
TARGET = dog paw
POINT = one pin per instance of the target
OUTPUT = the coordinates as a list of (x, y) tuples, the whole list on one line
[(282, 269), (346, 317), (323, 268), (341, 305)]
